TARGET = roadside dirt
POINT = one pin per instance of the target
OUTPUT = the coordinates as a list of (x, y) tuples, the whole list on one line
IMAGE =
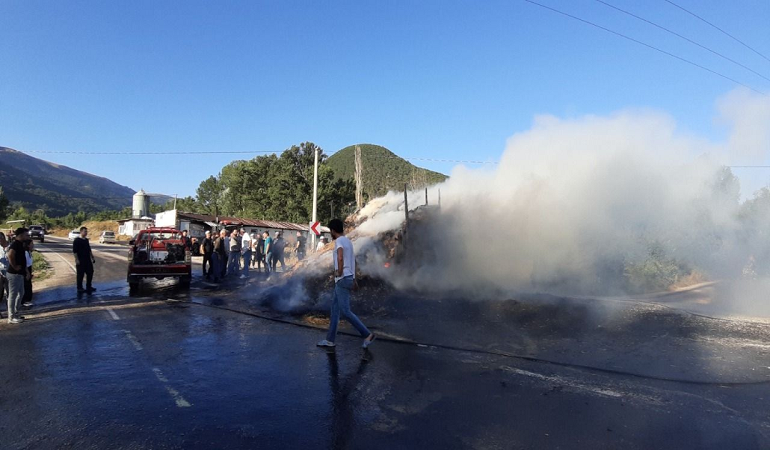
[(95, 228)]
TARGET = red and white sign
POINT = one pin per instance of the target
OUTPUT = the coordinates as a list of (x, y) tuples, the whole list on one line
[(314, 228)]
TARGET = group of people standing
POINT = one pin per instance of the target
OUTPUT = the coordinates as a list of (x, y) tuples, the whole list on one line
[(16, 272), (233, 253)]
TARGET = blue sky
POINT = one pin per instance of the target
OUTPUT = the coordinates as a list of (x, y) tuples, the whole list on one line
[(432, 79)]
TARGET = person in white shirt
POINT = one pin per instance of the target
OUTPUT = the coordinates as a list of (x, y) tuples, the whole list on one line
[(321, 244), (26, 300), (344, 280), (246, 247)]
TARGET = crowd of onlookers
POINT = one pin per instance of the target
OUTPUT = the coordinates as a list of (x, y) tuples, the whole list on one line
[(226, 253), (16, 272), (236, 252)]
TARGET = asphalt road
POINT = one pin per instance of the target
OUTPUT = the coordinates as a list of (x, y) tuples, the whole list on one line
[(216, 367), (183, 375)]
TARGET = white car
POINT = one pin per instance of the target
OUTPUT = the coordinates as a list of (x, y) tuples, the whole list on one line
[(74, 234), (107, 237)]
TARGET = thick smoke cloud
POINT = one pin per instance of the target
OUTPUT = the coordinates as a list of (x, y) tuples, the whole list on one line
[(577, 205)]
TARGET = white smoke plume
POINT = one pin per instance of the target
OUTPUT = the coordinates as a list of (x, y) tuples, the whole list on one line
[(573, 203)]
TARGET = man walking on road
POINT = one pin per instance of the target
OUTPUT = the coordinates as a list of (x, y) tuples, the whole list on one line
[(344, 281), (17, 272), (84, 261), (207, 248)]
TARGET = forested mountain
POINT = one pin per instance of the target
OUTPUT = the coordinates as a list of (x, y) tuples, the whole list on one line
[(56, 189), (274, 187), (383, 170)]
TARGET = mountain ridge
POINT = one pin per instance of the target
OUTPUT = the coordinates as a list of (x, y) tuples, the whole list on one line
[(57, 189)]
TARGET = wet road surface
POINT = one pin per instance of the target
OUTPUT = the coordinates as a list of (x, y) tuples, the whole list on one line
[(225, 366), (185, 375)]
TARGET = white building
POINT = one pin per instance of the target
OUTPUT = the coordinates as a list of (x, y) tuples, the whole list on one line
[(130, 227)]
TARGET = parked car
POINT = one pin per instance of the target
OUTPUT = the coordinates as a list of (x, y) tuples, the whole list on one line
[(107, 237), (73, 234), (37, 232), (158, 253)]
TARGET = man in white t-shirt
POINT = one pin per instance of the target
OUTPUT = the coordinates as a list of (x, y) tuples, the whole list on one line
[(246, 252), (344, 280)]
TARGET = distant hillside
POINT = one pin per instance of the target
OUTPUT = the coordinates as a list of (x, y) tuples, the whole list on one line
[(58, 190), (383, 170)]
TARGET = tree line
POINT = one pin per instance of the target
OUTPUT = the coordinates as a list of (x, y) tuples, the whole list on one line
[(270, 187)]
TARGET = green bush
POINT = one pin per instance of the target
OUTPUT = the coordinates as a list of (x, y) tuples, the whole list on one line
[(39, 264), (657, 272)]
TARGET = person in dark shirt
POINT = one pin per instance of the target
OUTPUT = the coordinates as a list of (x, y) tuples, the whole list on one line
[(186, 241), (207, 248), (301, 246), (17, 272), (218, 256), (84, 261)]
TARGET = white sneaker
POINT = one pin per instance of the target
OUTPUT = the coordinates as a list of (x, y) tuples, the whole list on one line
[(27, 304), (326, 343), (368, 342), (20, 320), (242, 277)]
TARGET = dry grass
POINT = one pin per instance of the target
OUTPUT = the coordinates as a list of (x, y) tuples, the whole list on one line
[(95, 228)]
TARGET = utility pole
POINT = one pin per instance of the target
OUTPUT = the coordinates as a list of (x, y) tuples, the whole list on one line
[(426, 196), (359, 179), (315, 196)]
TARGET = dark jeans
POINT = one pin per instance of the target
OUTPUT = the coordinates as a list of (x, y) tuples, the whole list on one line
[(88, 271), (207, 260), (3, 289), (27, 290), (278, 258), (216, 266)]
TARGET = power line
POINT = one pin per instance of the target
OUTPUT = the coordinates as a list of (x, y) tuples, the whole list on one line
[(251, 152), (645, 44), (721, 30), (684, 37)]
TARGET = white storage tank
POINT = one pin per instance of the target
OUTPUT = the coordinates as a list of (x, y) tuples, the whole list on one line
[(141, 206)]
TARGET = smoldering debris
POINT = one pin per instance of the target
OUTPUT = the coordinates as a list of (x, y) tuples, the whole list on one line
[(626, 203)]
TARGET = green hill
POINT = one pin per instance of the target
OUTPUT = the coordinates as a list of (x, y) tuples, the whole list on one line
[(383, 170), (56, 189)]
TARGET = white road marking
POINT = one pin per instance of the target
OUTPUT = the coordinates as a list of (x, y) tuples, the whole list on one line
[(113, 314), (178, 399), (63, 259), (133, 339), (160, 375)]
